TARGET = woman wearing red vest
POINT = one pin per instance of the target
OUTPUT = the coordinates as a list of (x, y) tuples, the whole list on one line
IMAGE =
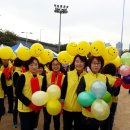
[(28, 83), (55, 76)]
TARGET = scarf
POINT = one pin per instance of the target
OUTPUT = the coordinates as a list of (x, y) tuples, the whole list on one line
[(57, 76), (7, 72), (34, 84)]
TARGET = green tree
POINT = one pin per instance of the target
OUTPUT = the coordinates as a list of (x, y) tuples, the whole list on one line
[(8, 38)]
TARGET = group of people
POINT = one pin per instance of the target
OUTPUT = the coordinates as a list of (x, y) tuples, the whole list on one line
[(21, 79)]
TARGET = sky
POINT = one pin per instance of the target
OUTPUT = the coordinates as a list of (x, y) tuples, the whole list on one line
[(86, 20)]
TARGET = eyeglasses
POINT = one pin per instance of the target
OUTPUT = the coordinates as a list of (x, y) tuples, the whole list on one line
[(96, 63)]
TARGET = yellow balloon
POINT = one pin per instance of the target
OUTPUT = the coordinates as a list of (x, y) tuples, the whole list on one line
[(47, 56), (117, 61), (23, 53), (40, 60), (13, 56), (100, 109), (97, 48), (110, 53), (83, 48), (64, 58), (53, 107), (36, 49), (54, 92), (71, 48), (40, 98), (6, 52)]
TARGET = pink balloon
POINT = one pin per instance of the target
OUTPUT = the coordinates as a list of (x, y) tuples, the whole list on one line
[(125, 70)]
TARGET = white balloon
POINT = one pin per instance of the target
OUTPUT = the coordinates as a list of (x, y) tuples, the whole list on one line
[(40, 98)]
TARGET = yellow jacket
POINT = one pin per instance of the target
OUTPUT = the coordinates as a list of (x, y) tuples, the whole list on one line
[(1, 90), (70, 103), (8, 82), (49, 77), (27, 92)]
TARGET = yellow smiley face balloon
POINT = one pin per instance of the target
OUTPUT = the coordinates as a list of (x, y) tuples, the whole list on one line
[(97, 48), (117, 61), (83, 48), (36, 49), (71, 48), (110, 53), (6, 52), (47, 56), (64, 58), (23, 53)]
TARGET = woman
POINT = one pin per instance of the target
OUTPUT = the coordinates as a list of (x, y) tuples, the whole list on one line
[(55, 76), (6, 81), (2, 89), (17, 72), (95, 65), (110, 69), (28, 83), (71, 108), (41, 69)]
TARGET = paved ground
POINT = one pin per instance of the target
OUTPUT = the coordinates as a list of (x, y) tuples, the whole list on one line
[(122, 119)]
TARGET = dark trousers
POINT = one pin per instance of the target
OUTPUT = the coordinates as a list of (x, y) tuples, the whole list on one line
[(89, 123), (69, 118), (15, 111), (28, 120), (105, 125), (93, 124), (112, 114), (47, 120), (9, 92), (1, 107)]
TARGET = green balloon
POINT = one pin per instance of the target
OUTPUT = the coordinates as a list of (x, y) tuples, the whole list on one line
[(85, 99), (125, 58), (107, 97)]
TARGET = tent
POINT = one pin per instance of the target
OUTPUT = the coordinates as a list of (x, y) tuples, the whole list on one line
[(15, 47)]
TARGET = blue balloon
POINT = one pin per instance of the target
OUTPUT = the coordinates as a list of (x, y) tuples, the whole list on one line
[(126, 79), (98, 89), (85, 99)]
